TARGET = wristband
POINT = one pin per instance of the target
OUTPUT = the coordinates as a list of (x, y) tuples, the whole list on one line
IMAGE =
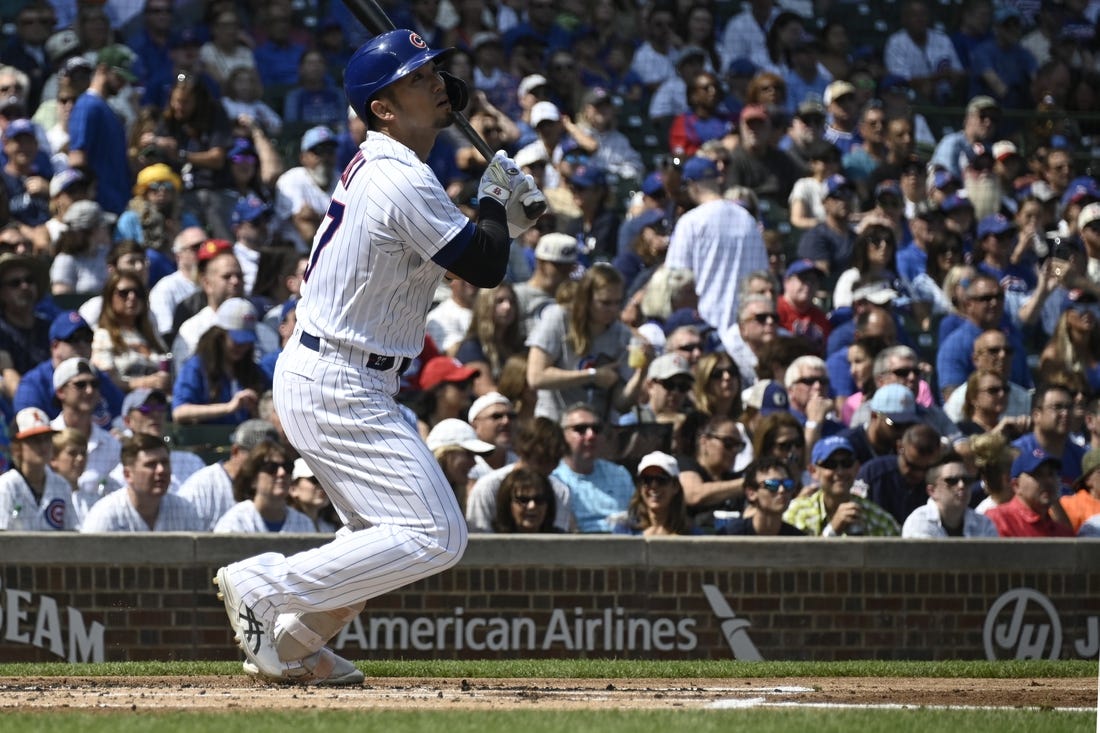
[(811, 424), (591, 374)]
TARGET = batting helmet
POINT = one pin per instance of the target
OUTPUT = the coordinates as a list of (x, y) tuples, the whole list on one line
[(383, 60)]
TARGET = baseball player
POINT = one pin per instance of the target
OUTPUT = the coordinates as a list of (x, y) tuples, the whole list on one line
[(388, 238)]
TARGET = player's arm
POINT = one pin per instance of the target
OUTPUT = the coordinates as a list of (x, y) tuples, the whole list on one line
[(479, 253)]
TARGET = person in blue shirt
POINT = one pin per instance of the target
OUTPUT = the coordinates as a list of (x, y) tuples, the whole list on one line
[(1051, 410)]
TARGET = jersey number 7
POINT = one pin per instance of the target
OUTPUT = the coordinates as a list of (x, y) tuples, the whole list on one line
[(333, 218)]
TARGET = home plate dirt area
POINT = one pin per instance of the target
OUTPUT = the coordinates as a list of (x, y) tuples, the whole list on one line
[(236, 692)]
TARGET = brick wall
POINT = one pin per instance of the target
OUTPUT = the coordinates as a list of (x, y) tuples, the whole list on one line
[(582, 596)]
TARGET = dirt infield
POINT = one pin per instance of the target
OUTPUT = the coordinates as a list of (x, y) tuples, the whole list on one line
[(226, 693)]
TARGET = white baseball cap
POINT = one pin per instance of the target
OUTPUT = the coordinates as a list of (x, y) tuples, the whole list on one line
[(529, 82), (1088, 215), (667, 366), (486, 400), (301, 470), (544, 112), (557, 247), (238, 317), (530, 154), (455, 432), (31, 421), (69, 369), (660, 460)]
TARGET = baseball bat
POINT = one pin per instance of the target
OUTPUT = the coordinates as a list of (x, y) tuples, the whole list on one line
[(375, 20)]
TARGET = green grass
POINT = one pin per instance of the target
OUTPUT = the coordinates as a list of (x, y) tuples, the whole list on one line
[(604, 721), (599, 668)]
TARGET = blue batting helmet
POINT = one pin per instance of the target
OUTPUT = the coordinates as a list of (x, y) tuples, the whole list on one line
[(383, 60)]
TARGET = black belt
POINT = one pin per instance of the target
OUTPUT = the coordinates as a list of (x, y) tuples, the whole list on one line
[(378, 362)]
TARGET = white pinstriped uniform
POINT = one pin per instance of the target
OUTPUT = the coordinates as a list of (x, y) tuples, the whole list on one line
[(245, 517), (368, 290), (115, 513)]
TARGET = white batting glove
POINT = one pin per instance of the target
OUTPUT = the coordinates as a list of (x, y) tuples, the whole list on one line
[(500, 179), (526, 197)]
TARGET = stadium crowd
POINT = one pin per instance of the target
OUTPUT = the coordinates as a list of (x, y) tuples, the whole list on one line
[(810, 267)]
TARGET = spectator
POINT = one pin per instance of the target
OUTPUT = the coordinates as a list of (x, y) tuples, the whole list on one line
[(993, 458), (195, 133), (832, 509), (843, 116), (33, 497), (313, 99), (1084, 502), (810, 397), (984, 310), (768, 490), (251, 217), (653, 60), (210, 489), (225, 50), (992, 352), (745, 35), (446, 392), (173, 289), (302, 194), (923, 56), (925, 226), (220, 278), (555, 259), (1051, 406), (144, 505), (718, 241), (657, 506), (23, 332), (579, 353), (900, 365), (757, 326), (891, 410), (859, 358), (26, 186), (81, 263), (76, 386), (70, 456), (525, 504), (947, 513), (806, 130), (870, 152), (1075, 342), (278, 57), (807, 200), (598, 488), (897, 483), (979, 126), (155, 213), (872, 260), (221, 384), (716, 391), (309, 497), (66, 188), (456, 446), (664, 393), (146, 411), (984, 407), (1034, 477), (796, 309), (126, 345), (757, 163), (671, 97), (829, 244), (494, 422), (262, 491), (244, 104), (780, 435), (1001, 67)]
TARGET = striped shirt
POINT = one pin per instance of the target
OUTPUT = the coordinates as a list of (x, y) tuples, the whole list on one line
[(20, 511), (244, 517), (115, 513)]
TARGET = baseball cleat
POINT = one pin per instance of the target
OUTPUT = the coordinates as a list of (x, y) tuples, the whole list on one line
[(325, 667), (252, 633)]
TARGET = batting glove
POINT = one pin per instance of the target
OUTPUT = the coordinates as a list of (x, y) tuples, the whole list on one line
[(500, 179), (458, 92), (525, 200)]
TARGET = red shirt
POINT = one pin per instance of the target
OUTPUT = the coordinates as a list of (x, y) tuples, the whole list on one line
[(1016, 519), (811, 324)]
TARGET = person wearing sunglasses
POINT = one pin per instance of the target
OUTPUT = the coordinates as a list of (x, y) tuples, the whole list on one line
[(657, 506), (262, 491), (833, 510), (947, 512), (144, 504), (810, 392), (664, 395), (897, 482), (768, 490), (598, 488), (525, 504), (76, 389)]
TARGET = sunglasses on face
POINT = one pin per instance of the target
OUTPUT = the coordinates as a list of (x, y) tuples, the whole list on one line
[(811, 381), (786, 446), (676, 385), (904, 372), (85, 385), (775, 484), (835, 463), (655, 480), (722, 373), (583, 428), (961, 479), (986, 298), (525, 500), (125, 293), (728, 441), (766, 318), (16, 282), (272, 467), (162, 186)]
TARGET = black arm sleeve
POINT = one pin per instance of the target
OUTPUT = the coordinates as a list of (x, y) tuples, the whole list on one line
[(484, 262)]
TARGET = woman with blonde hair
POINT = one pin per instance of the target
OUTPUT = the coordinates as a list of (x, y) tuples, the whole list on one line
[(579, 353), (669, 290), (993, 458), (985, 404), (495, 334), (1075, 343)]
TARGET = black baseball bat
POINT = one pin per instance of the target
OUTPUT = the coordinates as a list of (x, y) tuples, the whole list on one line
[(375, 20)]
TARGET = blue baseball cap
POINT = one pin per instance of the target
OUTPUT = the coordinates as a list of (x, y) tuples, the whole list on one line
[(941, 179), (67, 323), (799, 267), (768, 397), (826, 447), (741, 67), (1080, 189), (241, 146), (892, 82), (887, 188), (837, 185), (587, 175), (1029, 461), (896, 402), (698, 168), (16, 128), (954, 202), (995, 224), (315, 136), (654, 218), (249, 208), (654, 184), (686, 317)]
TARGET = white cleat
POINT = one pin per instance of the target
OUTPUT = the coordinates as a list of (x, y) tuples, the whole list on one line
[(325, 667), (252, 633)]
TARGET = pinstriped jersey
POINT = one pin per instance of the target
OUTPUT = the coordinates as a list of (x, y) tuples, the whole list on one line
[(370, 280)]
